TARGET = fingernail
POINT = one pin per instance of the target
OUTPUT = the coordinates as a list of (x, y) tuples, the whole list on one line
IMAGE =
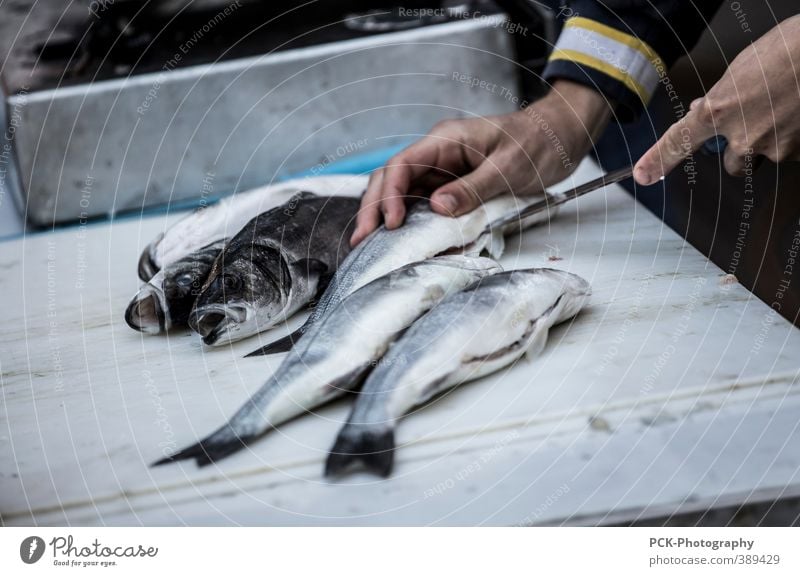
[(644, 178), (448, 202)]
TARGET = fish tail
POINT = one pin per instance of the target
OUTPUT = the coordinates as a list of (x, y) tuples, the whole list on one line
[(215, 447), (280, 345), (372, 447)]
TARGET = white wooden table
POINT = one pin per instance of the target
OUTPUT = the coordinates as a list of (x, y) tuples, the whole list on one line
[(672, 392)]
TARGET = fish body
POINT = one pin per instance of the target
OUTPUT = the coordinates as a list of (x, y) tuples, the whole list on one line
[(468, 335), (336, 352), (225, 218), (423, 235), (275, 265)]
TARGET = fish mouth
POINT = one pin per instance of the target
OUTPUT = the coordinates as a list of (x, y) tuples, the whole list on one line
[(147, 311), (211, 322)]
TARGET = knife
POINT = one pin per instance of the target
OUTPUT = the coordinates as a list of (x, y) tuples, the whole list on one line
[(714, 145), (553, 200)]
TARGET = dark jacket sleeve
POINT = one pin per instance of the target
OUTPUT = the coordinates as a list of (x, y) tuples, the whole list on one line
[(624, 48)]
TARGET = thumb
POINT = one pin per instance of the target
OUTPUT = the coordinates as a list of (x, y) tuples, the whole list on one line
[(468, 192)]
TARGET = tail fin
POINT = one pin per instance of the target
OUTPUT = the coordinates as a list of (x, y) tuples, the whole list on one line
[(373, 448), (280, 345), (215, 447)]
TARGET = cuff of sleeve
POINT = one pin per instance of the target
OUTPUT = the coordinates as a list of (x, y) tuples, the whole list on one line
[(617, 64)]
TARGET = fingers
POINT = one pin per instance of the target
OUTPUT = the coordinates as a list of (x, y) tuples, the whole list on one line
[(411, 164), (368, 217), (679, 141), (736, 163), (468, 192), (389, 186), (396, 182)]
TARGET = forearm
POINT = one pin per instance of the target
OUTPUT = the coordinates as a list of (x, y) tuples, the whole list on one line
[(583, 114)]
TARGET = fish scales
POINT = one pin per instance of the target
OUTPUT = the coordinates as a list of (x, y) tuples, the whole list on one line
[(226, 217), (469, 335), (176, 264), (336, 352), (274, 266), (423, 235)]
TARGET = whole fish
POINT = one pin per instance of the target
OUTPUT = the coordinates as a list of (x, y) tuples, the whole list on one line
[(337, 351), (167, 299), (174, 276), (470, 334), (225, 218), (274, 266), (423, 235)]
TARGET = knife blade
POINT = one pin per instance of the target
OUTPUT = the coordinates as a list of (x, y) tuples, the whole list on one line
[(556, 199)]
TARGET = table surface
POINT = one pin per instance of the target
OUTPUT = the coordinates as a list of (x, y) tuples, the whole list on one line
[(673, 391)]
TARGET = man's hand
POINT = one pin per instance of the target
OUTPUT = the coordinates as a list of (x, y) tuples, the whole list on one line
[(755, 105), (466, 162)]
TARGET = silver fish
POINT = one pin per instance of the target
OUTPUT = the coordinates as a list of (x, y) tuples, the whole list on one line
[(225, 218), (470, 334), (336, 352), (274, 266), (423, 235)]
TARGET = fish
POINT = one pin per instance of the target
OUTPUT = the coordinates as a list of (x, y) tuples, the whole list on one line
[(182, 256), (336, 352), (273, 267), (167, 299), (468, 335), (210, 223), (423, 235)]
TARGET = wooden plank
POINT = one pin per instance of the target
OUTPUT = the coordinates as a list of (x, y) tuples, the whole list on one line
[(672, 389)]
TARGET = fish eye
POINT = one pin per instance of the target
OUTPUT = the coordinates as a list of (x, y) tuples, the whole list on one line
[(230, 282), (184, 281)]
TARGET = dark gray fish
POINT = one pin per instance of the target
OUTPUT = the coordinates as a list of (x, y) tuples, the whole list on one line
[(274, 266), (468, 335), (225, 218), (167, 299), (209, 224), (336, 352)]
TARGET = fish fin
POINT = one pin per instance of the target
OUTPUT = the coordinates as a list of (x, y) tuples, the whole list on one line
[(496, 244), (312, 265), (280, 345), (538, 340), (540, 330), (374, 449), (220, 444)]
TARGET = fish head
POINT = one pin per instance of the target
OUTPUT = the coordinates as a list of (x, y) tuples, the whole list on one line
[(148, 311), (243, 295), (182, 284)]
